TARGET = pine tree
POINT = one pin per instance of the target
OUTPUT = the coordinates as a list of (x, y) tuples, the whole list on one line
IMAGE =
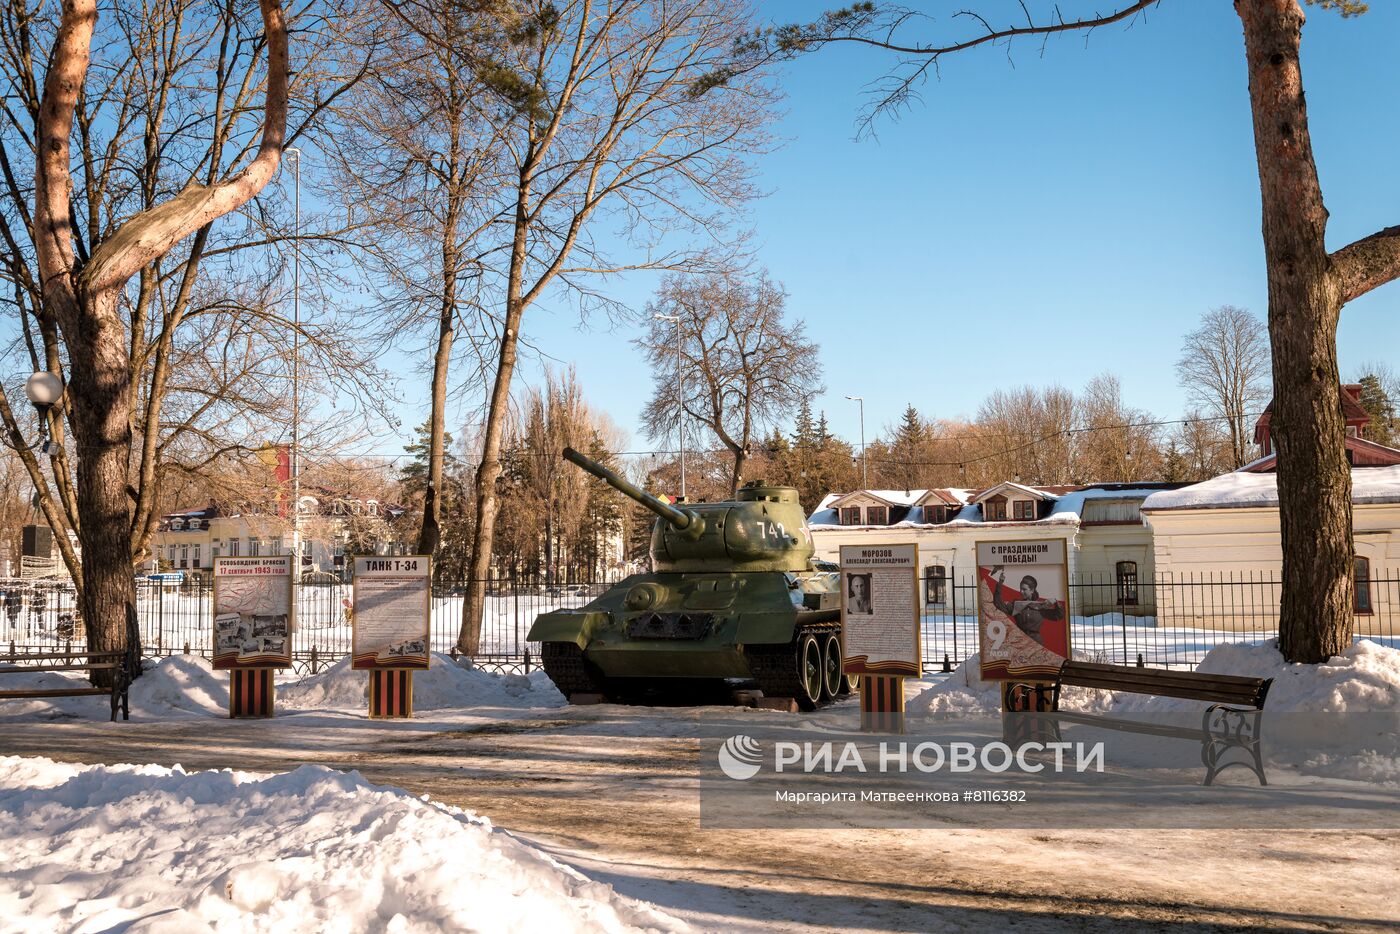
[(1378, 404)]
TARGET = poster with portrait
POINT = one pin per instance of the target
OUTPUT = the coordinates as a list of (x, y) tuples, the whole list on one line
[(253, 612), (880, 610), (391, 610), (1022, 608)]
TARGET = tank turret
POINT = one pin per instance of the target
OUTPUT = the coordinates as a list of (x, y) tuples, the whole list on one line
[(762, 529)]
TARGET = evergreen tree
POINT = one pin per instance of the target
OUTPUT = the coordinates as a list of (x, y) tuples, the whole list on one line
[(1378, 404)]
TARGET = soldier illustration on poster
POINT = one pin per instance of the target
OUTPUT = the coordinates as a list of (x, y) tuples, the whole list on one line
[(1023, 608)]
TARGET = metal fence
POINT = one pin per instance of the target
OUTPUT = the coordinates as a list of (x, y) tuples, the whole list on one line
[(1170, 622)]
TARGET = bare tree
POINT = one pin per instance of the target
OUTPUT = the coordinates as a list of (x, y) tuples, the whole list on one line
[(744, 369), (421, 156), (1308, 284), (1224, 368), (610, 119), (82, 285), (1115, 442), (1026, 435)]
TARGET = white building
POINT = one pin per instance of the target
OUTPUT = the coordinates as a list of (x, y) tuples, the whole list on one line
[(1109, 545)]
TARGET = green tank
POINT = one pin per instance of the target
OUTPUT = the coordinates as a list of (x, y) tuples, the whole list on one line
[(733, 594)]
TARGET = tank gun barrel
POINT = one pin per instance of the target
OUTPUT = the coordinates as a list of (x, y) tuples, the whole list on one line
[(679, 518)]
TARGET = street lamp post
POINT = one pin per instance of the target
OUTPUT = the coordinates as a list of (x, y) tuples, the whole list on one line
[(680, 396), (864, 474), (295, 154)]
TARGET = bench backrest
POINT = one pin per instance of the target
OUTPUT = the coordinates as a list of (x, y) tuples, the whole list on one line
[(1191, 685)]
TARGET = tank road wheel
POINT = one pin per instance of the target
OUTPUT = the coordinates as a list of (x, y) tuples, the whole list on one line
[(811, 663), (570, 671), (833, 683)]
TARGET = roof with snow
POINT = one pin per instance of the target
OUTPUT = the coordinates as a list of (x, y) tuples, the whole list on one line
[(1007, 486), (1068, 508), (1245, 489)]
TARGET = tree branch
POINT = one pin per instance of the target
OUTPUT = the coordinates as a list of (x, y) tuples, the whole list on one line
[(1369, 262)]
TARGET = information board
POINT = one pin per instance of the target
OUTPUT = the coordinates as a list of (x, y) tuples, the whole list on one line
[(880, 610), (253, 612), (1022, 608), (391, 612)]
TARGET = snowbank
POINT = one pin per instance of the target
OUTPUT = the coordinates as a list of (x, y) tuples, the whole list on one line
[(446, 684), (173, 687), (148, 849), (964, 692), (1363, 679)]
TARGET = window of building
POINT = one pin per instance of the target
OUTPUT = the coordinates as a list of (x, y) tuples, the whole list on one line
[(1363, 584), (850, 515), (254, 547), (1127, 575), (1023, 509), (936, 514), (196, 557), (876, 515), (172, 555), (994, 509), (177, 525), (184, 556), (233, 548), (936, 585)]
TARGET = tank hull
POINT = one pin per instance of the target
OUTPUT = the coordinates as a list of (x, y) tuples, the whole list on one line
[(688, 626)]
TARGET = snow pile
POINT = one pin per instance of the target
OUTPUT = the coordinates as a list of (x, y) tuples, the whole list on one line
[(1368, 485), (965, 693), (181, 684), (149, 849), (176, 686), (446, 684), (1363, 679), (51, 708)]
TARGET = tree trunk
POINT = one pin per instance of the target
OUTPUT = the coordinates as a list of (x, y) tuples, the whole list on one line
[(736, 478), (430, 535), (1305, 300), (99, 407), (487, 502)]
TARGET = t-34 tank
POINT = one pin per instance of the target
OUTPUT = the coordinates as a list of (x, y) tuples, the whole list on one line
[(733, 593)]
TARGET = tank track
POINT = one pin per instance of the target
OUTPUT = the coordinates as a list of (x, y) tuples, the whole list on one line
[(570, 671), (774, 667)]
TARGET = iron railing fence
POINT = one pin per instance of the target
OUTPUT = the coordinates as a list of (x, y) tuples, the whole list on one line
[(1170, 622)]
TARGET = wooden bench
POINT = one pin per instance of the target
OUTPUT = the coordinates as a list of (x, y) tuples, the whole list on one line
[(125, 665), (1232, 721)]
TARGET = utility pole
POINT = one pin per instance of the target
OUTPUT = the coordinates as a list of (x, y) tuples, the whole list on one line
[(680, 394), (864, 475)]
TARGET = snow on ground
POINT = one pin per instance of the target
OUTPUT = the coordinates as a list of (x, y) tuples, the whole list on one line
[(1336, 719), (159, 851), (446, 684), (182, 686), (1363, 679)]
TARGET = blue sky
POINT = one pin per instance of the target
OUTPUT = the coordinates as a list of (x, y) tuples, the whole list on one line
[(1038, 221)]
